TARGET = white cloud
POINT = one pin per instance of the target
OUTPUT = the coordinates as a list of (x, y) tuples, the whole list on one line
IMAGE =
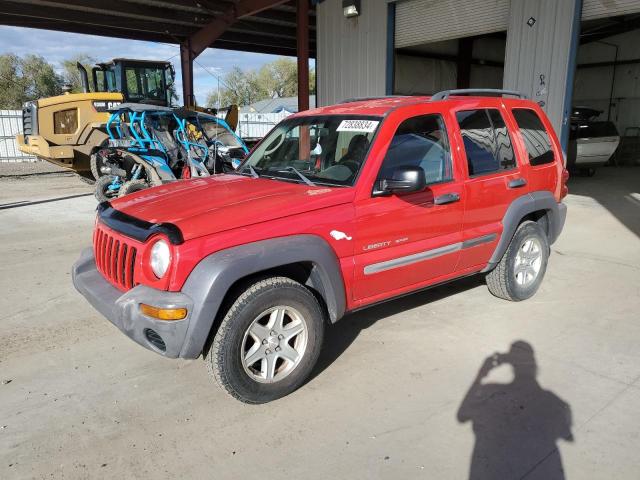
[(58, 46)]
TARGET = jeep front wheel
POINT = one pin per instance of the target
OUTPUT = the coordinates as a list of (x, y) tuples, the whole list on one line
[(522, 267), (268, 341)]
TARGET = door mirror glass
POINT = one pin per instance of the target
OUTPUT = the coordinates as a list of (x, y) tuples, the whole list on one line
[(403, 180)]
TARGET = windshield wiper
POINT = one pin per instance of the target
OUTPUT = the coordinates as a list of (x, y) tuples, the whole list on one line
[(297, 172), (252, 170)]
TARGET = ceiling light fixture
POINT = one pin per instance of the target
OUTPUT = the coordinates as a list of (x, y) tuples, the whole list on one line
[(351, 8)]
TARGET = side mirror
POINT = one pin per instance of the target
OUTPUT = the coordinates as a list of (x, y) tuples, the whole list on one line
[(403, 180)]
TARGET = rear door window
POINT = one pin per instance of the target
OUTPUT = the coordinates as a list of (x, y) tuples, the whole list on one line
[(486, 141), (535, 137)]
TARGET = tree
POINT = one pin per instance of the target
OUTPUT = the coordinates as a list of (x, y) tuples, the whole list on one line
[(240, 87), (71, 75), (280, 78), (25, 79), (276, 79)]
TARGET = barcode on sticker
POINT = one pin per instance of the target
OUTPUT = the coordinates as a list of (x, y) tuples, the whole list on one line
[(358, 126)]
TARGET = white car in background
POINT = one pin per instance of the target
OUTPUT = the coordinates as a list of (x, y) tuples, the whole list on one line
[(591, 143)]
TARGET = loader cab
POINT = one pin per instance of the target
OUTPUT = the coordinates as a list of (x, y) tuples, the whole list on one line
[(139, 81)]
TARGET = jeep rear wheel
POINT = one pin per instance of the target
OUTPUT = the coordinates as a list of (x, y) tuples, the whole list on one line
[(268, 341), (522, 267)]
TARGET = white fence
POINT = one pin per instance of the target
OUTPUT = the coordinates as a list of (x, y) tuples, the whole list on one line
[(257, 125), (250, 125), (10, 126)]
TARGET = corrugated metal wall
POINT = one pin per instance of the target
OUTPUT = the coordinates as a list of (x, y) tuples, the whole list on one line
[(10, 126), (351, 51), (424, 21), (592, 9), (537, 57)]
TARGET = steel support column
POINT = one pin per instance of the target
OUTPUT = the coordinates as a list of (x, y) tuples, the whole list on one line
[(303, 54), (186, 64)]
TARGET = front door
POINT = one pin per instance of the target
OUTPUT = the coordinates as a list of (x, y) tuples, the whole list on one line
[(406, 241)]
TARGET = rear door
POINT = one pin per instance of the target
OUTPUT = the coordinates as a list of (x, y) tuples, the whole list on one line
[(494, 180), (406, 241)]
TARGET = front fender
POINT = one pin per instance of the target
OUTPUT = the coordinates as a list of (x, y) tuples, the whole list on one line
[(212, 278)]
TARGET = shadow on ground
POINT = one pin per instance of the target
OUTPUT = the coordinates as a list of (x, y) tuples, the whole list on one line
[(341, 335), (516, 425)]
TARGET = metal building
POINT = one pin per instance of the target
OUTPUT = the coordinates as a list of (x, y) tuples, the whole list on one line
[(558, 52)]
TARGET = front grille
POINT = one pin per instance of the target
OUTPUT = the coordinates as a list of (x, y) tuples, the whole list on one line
[(115, 258)]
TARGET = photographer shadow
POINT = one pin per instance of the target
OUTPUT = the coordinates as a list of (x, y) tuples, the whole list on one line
[(517, 425)]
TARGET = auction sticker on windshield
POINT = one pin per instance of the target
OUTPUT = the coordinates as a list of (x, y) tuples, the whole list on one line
[(367, 126)]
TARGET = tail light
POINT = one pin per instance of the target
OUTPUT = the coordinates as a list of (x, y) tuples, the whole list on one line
[(565, 178)]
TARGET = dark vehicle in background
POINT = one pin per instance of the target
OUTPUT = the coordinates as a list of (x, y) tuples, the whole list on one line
[(591, 142)]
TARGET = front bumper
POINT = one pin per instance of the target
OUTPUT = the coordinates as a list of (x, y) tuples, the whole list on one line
[(37, 145), (122, 309)]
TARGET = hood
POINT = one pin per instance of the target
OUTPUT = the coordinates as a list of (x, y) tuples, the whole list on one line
[(202, 206)]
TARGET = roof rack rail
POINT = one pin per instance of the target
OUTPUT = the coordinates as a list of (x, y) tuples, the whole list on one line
[(364, 99), (443, 95)]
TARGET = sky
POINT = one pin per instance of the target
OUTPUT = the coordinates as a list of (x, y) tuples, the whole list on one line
[(58, 46)]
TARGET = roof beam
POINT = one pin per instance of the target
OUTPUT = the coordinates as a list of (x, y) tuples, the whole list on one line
[(117, 8), (93, 19), (44, 24), (256, 39), (204, 37)]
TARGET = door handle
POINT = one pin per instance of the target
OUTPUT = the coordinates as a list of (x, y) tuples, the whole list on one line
[(517, 183), (446, 198)]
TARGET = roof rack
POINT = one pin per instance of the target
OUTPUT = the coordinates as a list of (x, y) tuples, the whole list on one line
[(444, 95), (364, 99)]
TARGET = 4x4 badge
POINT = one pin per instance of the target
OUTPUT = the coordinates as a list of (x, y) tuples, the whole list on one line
[(338, 235)]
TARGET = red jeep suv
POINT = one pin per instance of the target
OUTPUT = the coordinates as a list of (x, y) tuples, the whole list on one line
[(336, 209)]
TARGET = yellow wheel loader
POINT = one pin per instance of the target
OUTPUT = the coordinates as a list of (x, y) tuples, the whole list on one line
[(68, 129)]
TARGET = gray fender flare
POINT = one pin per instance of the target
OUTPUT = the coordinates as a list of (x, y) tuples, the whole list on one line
[(521, 207), (212, 278)]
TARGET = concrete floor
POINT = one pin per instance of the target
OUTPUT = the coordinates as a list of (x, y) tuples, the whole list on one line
[(79, 400)]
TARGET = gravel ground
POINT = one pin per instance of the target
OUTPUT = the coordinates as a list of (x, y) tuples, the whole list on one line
[(79, 400), (13, 169)]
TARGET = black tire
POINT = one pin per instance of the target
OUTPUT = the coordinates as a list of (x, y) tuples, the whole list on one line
[(96, 163), (224, 356), (502, 281), (132, 186), (102, 193)]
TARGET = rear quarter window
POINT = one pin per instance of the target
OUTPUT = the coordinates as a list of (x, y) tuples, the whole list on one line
[(535, 136)]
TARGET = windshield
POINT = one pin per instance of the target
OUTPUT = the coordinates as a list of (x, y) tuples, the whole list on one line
[(216, 132), (145, 83), (327, 150)]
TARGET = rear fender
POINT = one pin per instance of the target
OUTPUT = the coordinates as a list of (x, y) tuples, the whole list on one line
[(519, 209)]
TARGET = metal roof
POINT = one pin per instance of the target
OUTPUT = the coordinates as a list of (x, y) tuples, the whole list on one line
[(169, 21)]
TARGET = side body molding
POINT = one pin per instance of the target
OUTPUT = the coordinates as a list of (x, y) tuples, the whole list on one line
[(212, 278), (521, 207)]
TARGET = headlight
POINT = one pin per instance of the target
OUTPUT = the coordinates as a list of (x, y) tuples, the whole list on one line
[(160, 258)]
